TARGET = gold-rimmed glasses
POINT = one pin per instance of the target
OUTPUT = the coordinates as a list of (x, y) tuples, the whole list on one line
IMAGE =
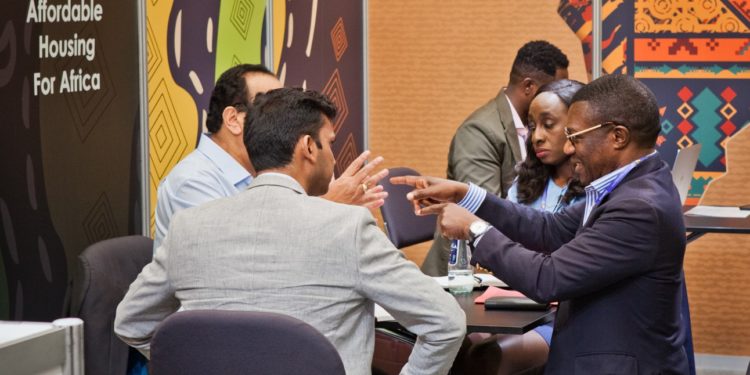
[(573, 137)]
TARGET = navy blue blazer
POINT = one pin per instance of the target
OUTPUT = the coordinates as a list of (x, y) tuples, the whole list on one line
[(617, 276)]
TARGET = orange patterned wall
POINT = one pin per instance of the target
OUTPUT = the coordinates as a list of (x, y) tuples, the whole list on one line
[(431, 63)]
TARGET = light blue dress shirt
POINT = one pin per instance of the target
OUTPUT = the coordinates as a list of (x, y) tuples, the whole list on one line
[(206, 174), (595, 192), (551, 199)]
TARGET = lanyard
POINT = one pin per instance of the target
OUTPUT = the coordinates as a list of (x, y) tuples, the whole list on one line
[(557, 207)]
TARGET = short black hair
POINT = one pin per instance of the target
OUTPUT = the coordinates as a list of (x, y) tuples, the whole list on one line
[(278, 119), (624, 100), (230, 90), (537, 59)]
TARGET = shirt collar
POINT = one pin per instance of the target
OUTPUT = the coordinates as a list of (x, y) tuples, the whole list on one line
[(603, 183), (516, 118), (279, 179), (234, 171), (521, 129)]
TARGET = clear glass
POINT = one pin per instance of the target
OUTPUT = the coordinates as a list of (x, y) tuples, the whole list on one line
[(460, 272)]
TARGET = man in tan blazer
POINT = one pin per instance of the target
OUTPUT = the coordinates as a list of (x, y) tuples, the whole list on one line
[(489, 144), (278, 247)]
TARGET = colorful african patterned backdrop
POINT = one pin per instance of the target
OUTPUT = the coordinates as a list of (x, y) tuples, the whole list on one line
[(694, 55), (316, 45)]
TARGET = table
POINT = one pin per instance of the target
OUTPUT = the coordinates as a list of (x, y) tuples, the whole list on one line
[(42, 348), (490, 321), (697, 226), (500, 321)]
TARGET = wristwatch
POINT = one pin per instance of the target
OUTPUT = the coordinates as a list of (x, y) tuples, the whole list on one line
[(477, 229)]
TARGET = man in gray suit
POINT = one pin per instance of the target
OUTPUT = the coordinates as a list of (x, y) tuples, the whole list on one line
[(277, 247), (489, 144)]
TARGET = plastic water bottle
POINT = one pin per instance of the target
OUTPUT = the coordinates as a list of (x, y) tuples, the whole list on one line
[(460, 272)]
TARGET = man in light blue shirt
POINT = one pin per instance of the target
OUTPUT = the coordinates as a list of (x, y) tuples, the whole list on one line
[(220, 166)]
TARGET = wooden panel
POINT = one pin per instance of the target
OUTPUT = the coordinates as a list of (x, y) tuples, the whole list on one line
[(717, 266)]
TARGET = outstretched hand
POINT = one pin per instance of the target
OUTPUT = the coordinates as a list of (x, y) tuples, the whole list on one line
[(453, 220), (357, 186), (431, 191)]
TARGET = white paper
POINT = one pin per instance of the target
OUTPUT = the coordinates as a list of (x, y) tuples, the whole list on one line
[(487, 280), (491, 280), (381, 315), (718, 211)]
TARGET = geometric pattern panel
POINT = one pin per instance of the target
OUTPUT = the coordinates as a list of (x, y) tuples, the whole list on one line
[(199, 40), (88, 107), (694, 55), (689, 17), (334, 90), (742, 9), (347, 155), (173, 113), (239, 25), (338, 39), (701, 111), (313, 49), (165, 133), (99, 223), (692, 50), (615, 39), (153, 57), (242, 13)]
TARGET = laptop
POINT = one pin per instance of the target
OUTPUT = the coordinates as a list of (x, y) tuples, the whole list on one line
[(683, 168)]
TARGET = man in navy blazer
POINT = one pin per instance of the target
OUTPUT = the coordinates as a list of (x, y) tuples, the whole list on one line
[(614, 263)]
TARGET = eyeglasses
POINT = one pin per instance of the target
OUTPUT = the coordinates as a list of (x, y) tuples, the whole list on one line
[(573, 138)]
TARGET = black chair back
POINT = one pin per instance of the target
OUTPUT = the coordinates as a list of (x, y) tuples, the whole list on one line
[(240, 342), (403, 227), (105, 271)]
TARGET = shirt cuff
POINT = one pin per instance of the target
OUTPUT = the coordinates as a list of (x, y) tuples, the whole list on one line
[(473, 198)]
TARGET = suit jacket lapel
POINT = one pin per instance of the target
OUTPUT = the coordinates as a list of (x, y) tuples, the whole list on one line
[(506, 119)]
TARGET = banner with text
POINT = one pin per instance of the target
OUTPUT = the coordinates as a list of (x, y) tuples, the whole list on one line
[(69, 89)]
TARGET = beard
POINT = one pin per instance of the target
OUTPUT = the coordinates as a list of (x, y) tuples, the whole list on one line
[(320, 181)]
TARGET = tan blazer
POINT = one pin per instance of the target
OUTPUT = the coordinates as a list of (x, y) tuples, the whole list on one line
[(485, 151), (273, 248)]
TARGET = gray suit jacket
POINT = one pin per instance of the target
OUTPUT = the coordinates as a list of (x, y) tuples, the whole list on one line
[(484, 151), (273, 248)]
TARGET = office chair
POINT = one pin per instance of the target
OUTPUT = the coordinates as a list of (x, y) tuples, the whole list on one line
[(105, 271), (240, 342), (402, 226)]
